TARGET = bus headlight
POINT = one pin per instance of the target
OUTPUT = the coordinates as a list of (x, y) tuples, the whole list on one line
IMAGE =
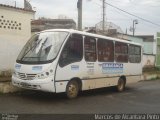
[(45, 74), (42, 75)]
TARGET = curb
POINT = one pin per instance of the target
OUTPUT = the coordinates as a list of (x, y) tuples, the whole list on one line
[(7, 87)]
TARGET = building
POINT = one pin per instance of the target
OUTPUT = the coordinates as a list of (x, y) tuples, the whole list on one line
[(158, 51), (44, 24), (15, 29), (149, 44), (109, 28)]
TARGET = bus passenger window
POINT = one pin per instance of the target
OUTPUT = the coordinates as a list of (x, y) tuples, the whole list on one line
[(72, 51), (90, 49), (121, 52), (105, 50), (134, 54)]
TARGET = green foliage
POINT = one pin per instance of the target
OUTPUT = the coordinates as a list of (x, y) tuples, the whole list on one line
[(7, 73)]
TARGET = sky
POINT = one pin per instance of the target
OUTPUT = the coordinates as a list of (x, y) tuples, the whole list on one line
[(92, 12)]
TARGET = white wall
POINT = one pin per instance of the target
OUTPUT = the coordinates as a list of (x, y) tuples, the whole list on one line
[(15, 30), (148, 60)]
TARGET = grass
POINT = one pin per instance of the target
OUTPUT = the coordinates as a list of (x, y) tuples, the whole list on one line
[(5, 75), (151, 70), (156, 78)]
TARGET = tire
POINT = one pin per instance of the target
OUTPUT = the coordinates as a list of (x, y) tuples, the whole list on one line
[(72, 89), (121, 85)]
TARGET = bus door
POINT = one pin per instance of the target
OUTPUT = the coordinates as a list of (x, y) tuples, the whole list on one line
[(70, 62)]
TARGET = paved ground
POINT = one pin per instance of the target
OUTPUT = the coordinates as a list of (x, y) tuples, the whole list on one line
[(141, 97)]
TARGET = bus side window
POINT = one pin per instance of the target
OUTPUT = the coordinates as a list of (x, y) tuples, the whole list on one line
[(121, 52), (105, 50), (90, 49), (134, 54), (72, 51)]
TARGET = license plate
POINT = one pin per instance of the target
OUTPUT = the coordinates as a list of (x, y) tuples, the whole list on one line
[(24, 84)]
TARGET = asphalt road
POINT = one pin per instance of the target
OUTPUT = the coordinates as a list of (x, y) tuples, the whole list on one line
[(141, 97)]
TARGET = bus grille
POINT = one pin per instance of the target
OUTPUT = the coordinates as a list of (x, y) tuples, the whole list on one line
[(24, 76)]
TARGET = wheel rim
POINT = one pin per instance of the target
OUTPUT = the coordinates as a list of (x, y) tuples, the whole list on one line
[(72, 90)]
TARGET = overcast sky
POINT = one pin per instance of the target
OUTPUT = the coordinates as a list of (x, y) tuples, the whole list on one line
[(92, 12)]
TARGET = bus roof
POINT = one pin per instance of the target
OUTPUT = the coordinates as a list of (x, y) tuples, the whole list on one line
[(92, 35)]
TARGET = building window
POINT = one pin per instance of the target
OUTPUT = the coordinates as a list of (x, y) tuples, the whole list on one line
[(105, 50), (134, 54), (9, 24), (72, 51), (121, 52), (90, 49)]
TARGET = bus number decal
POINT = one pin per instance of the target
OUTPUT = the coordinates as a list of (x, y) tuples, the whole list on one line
[(17, 66), (90, 68), (74, 67), (112, 68), (37, 68)]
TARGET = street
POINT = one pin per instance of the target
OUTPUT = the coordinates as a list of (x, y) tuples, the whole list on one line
[(141, 97)]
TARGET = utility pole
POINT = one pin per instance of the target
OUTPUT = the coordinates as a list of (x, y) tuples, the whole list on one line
[(133, 28), (79, 7), (15, 4), (104, 14)]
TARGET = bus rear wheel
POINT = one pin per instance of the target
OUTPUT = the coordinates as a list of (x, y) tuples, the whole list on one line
[(121, 85), (72, 89)]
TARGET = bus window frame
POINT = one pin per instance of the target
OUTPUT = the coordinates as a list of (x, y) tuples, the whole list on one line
[(64, 47), (120, 53), (111, 51), (140, 55), (95, 39)]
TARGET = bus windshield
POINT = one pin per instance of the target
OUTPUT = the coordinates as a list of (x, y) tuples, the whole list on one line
[(42, 47)]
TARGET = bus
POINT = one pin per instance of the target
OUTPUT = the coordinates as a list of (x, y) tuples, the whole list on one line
[(70, 61)]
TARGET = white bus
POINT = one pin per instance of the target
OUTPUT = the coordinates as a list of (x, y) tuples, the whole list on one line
[(70, 61)]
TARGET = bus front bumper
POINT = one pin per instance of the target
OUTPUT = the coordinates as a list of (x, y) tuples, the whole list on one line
[(46, 84)]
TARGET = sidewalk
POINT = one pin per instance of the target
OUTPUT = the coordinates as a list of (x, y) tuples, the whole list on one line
[(6, 85)]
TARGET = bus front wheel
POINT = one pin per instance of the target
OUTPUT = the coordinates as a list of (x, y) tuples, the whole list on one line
[(72, 89), (121, 85)]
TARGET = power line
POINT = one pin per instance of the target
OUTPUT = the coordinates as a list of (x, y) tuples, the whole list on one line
[(115, 11), (133, 14)]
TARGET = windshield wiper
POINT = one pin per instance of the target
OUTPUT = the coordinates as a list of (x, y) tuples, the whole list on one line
[(40, 51), (31, 57), (30, 49)]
